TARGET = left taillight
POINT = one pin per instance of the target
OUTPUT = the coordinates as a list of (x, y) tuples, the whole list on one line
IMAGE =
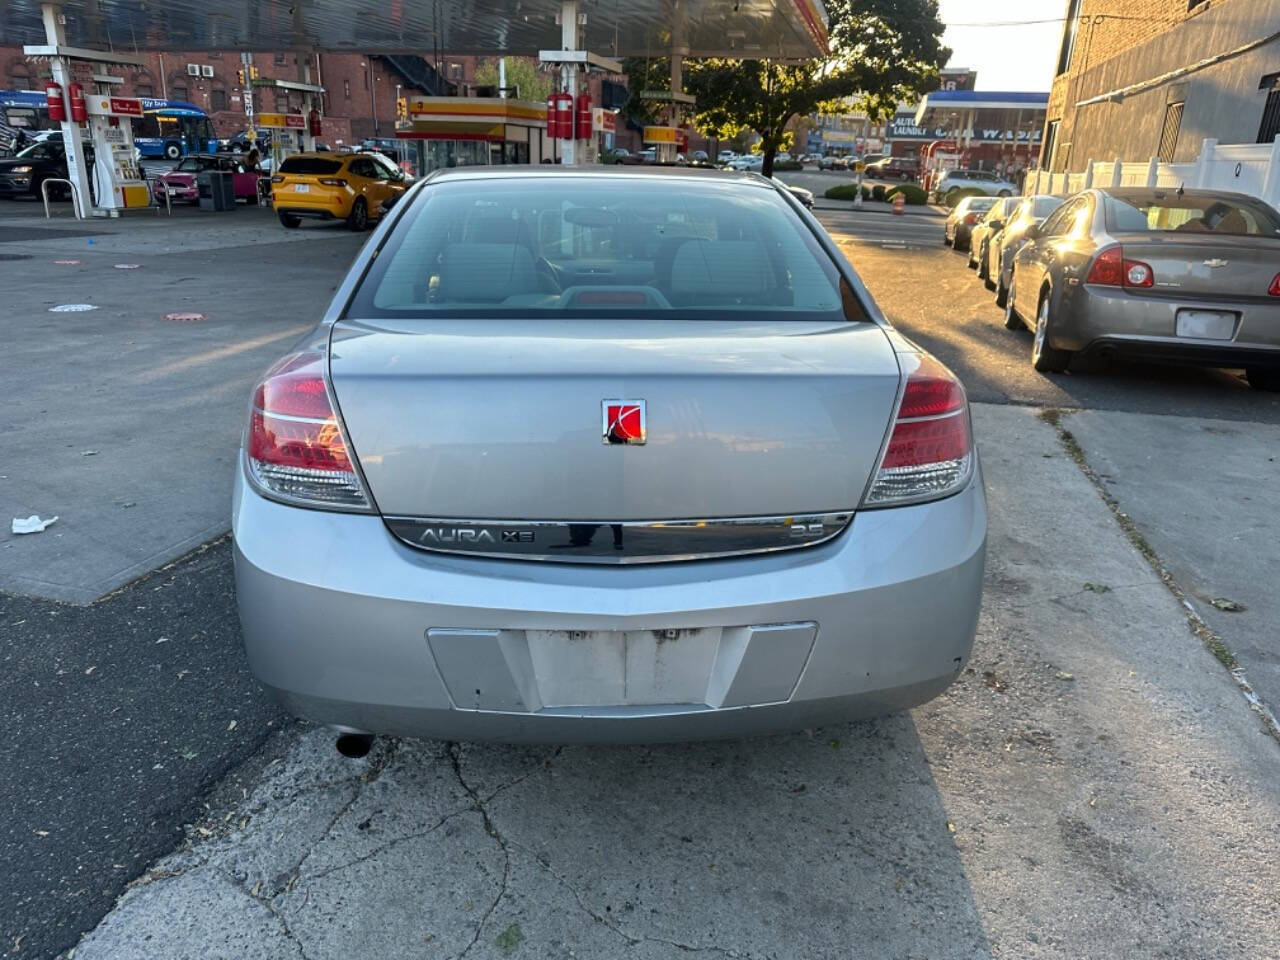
[(295, 450), (930, 452)]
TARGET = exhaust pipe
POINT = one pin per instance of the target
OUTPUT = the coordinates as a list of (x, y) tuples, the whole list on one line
[(354, 745)]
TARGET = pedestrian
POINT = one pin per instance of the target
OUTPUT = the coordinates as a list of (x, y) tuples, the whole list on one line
[(251, 161)]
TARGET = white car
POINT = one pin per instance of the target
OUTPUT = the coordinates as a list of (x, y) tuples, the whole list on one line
[(725, 156), (753, 161), (987, 181)]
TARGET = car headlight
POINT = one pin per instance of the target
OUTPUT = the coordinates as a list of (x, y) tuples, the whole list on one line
[(20, 169)]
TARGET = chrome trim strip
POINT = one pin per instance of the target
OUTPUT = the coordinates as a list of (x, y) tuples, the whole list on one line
[(624, 542)]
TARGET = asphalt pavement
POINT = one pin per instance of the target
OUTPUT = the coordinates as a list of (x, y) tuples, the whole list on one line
[(1098, 785)]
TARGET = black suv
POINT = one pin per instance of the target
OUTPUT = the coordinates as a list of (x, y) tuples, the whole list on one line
[(23, 174)]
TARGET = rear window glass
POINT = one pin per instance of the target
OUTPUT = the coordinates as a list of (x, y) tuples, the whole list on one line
[(1041, 207), (1190, 213), (601, 247), (310, 166)]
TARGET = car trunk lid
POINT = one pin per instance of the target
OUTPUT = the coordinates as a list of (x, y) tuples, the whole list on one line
[(502, 419), (1201, 266)]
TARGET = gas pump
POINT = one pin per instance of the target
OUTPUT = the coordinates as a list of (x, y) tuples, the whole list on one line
[(118, 183)]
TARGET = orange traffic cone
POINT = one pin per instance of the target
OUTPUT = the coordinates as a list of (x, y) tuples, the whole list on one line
[(899, 204)]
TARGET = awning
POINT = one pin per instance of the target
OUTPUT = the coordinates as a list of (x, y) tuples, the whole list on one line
[(941, 108), (739, 28)]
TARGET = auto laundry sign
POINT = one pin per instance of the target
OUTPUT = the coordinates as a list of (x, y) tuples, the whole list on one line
[(904, 128)]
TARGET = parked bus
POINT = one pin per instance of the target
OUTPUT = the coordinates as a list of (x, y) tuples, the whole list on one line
[(167, 128), (20, 110)]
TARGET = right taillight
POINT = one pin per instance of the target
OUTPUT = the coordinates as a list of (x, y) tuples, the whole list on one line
[(1111, 269), (1274, 289), (333, 181), (930, 452), (294, 448)]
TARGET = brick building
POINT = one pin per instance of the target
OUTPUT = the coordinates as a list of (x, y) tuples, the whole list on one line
[(360, 91), (1144, 78)]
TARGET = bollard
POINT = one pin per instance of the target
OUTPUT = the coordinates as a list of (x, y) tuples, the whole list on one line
[(899, 204)]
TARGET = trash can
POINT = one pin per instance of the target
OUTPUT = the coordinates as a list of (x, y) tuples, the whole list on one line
[(217, 190)]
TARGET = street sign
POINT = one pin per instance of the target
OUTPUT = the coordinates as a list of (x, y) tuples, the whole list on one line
[(248, 103)]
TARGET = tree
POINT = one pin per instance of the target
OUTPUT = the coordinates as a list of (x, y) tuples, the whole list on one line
[(522, 72), (882, 51)]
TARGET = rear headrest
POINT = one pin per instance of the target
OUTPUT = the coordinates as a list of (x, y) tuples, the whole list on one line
[(486, 273), (720, 268)]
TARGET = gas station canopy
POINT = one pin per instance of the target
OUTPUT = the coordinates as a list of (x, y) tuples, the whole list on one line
[(792, 29)]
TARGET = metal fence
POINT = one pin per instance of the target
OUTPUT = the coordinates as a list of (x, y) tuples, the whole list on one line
[(1250, 168)]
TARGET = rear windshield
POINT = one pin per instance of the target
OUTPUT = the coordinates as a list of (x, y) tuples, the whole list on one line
[(969, 204), (1190, 213), (310, 166), (601, 247), (1041, 207)]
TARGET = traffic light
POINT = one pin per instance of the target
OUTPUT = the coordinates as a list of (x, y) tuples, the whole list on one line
[(253, 73), (240, 78), (402, 110)]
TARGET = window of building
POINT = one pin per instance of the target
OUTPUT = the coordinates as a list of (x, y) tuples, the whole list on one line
[(143, 88), (346, 89), (1069, 33), (282, 103), (455, 71), (1050, 142), (178, 91), (1269, 129), (364, 74), (217, 99), (215, 55), (20, 77), (1169, 133), (279, 59)]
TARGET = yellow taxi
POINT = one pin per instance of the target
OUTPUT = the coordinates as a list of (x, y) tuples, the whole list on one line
[(331, 186)]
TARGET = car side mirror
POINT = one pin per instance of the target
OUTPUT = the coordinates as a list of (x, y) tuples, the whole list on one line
[(996, 225), (1032, 231)]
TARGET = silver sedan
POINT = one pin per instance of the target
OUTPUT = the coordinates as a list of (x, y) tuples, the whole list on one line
[(605, 455), (1187, 276)]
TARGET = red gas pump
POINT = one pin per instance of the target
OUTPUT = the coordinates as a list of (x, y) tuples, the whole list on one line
[(551, 116), (57, 106), (75, 97), (313, 122), (564, 116), (584, 116)]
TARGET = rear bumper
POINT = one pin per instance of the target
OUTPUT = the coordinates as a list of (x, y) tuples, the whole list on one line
[(325, 206), (1095, 320), (344, 624)]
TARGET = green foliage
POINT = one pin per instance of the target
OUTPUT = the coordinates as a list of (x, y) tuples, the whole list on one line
[(914, 195), (846, 191), (522, 72), (787, 165), (882, 51), (955, 195), (877, 193)]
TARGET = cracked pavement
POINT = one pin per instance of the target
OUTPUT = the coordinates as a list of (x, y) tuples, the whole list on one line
[(1094, 785)]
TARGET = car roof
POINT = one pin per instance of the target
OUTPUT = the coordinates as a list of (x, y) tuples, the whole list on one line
[(544, 171), (1124, 193)]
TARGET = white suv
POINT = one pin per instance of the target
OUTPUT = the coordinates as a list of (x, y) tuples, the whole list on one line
[(987, 181)]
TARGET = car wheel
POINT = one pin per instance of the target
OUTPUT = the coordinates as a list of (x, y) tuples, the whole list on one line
[(969, 261), (289, 220), (1044, 358), (358, 219), (173, 151), (982, 265), (946, 238), (1002, 292), (1004, 193), (1263, 378), (1011, 319)]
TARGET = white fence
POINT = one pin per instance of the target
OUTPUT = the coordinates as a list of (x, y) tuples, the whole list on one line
[(1251, 168)]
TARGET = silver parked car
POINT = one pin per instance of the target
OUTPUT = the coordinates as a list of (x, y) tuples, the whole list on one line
[(964, 216), (990, 221), (1009, 239), (605, 455), (1182, 275)]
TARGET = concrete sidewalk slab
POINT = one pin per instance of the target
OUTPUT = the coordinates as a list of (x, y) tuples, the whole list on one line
[(1203, 493), (1094, 786)]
